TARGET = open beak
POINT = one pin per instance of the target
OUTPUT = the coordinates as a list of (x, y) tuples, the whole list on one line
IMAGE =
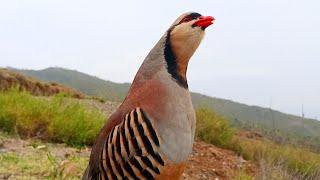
[(204, 21)]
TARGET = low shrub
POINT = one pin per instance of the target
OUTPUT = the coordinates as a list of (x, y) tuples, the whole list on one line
[(212, 128)]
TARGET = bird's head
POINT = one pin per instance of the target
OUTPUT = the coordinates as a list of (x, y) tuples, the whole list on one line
[(183, 38), (187, 32), (191, 24)]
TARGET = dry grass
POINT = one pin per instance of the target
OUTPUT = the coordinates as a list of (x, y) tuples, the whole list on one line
[(278, 171), (278, 161)]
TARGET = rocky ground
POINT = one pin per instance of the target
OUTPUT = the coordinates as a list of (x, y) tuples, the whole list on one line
[(29, 159), (210, 162)]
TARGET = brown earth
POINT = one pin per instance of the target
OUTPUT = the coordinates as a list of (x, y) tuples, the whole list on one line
[(210, 162), (206, 161)]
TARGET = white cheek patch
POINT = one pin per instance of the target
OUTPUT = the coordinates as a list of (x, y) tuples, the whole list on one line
[(186, 39)]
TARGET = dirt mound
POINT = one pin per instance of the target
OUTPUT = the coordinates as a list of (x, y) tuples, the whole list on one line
[(9, 79), (210, 162)]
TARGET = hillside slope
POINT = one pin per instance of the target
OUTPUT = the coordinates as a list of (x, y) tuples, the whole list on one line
[(239, 114), (260, 118), (45, 118), (85, 83), (10, 79)]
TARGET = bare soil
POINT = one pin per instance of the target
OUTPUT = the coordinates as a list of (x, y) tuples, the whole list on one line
[(210, 162), (206, 161)]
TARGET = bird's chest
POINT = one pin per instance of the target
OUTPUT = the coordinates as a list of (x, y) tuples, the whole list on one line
[(178, 128)]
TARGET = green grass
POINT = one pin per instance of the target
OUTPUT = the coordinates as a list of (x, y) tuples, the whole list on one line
[(35, 159), (60, 119), (240, 115), (41, 164), (298, 162), (242, 175), (212, 128), (57, 119)]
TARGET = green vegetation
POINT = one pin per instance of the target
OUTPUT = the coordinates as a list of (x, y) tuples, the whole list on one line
[(296, 161), (242, 175), (278, 171), (87, 84), (46, 163), (212, 128), (10, 79), (61, 119), (288, 128), (278, 126), (57, 119)]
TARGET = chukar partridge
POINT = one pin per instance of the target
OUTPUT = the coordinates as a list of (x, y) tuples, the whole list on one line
[(152, 132)]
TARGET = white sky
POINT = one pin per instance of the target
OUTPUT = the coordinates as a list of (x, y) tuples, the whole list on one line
[(258, 52)]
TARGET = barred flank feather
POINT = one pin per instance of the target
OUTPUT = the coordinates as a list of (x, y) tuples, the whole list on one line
[(131, 149)]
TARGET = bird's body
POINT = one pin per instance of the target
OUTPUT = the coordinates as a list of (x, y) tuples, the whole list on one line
[(151, 134)]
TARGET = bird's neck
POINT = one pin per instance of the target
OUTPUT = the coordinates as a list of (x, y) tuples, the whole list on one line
[(177, 53), (177, 69), (174, 59)]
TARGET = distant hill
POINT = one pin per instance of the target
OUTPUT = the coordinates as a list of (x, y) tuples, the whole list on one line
[(85, 83), (264, 119), (240, 114)]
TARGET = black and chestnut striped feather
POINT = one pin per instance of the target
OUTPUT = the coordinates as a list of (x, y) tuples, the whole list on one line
[(131, 150)]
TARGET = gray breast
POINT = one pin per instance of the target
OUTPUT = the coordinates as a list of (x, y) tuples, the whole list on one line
[(178, 126)]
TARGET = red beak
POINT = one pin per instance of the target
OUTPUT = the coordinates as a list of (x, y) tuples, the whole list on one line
[(204, 21)]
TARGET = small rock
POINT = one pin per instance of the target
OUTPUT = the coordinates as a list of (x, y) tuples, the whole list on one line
[(2, 150), (41, 147)]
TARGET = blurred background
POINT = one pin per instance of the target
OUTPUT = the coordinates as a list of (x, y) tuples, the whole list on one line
[(261, 52)]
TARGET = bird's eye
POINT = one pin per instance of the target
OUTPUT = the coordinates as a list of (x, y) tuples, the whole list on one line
[(186, 19)]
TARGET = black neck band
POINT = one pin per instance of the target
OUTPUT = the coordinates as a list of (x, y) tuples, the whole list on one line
[(171, 60)]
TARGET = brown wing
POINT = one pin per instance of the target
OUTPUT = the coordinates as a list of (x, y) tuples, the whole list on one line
[(131, 150)]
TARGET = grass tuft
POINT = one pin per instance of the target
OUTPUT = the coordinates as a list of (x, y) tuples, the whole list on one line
[(296, 161), (57, 119), (212, 128)]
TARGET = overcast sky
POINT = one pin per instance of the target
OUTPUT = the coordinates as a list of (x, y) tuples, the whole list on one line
[(262, 52)]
